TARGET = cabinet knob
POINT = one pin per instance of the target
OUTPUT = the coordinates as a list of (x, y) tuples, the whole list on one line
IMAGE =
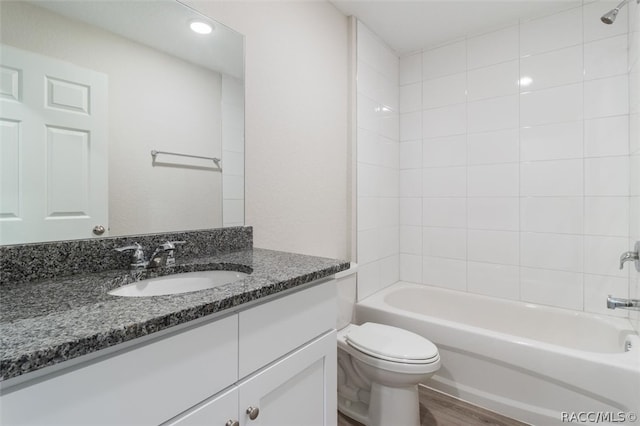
[(98, 230), (253, 412), (232, 423)]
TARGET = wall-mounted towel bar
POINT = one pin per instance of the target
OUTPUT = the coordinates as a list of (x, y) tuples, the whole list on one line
[(155, 153)]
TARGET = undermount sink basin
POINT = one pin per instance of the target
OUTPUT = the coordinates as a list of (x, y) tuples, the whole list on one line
[(178, 283)]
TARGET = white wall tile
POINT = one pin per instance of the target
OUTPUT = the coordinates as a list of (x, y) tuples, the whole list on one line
[(551, 178), (493, 246), (552, 251), (634, 175), (411, 211), (606, 97), (411, 69), (606, 216), (368, 279), (389, 241), (368, 245), (495, 180), (550, 69), (551, 32), (445, 212), (370, 82), (411, 240), (493, 81), (497, 213), (495, 280), (553, 288), (368, 147), (605, 58), (389, 270), (444, 182), (411, 268), (602, 254), (389, 125), (389, 152), (441, 272), (411, 97), (607, 176), (367, 114), (445, 60), (492, 48), (446, 151), (411, 155), (410, 126), (552, 141), (594, 29), (596, 290), (444, 242), (606, 136), (389, 182), (493, 114), (553, 105), (552, 214), (411, 183), (500, 146), (446, 121), (448, 90), (368, 216), (389, 214)]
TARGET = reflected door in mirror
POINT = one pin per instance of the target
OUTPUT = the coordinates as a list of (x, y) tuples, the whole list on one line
[(53, 158)]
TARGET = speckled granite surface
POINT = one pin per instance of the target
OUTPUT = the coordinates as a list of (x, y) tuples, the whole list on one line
[(49, 321), (28, 262)]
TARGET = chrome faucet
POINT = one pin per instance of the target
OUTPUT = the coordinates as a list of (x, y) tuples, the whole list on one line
[(619, 302), (163, 255), (631, 256)]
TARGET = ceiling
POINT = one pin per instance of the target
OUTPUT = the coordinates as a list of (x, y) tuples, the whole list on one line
[(407, 26)]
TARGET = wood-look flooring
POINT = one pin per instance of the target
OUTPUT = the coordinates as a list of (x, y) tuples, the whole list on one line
[(438, 409)]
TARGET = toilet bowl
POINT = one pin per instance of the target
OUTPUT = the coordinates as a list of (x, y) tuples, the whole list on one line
[(379, 366)]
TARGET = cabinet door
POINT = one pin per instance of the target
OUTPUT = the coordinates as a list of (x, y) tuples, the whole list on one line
[(220, 410), (299, 389)]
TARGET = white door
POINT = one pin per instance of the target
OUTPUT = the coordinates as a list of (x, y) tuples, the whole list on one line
[(53, 149), (299, 389)]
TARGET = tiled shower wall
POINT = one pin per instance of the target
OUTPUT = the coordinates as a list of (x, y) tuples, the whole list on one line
[(634, 133), (232, 151), (377, 164), (514, 162)]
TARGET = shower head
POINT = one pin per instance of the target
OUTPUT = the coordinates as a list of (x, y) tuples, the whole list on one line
[(610, 16)]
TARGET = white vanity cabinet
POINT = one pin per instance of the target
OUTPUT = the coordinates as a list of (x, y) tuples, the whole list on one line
[(287, 366), (277, 357)]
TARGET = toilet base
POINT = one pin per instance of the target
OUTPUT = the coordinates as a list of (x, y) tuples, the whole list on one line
[(388, 406)]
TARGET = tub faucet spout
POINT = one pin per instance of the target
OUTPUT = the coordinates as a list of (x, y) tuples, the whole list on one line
[(619, 302)]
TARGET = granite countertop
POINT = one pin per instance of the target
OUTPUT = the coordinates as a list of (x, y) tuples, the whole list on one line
[(49, 321)]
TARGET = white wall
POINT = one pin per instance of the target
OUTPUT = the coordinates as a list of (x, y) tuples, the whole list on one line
[(296, 122), (378, 164), (519, 191), (634, 132), (148, 92)]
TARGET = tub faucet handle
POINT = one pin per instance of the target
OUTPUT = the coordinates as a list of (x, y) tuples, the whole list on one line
[(631, 256)]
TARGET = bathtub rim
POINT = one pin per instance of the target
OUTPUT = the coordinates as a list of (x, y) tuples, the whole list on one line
[(626, 359)]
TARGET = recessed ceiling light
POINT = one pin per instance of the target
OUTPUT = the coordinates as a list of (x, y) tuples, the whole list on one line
[(200, 27)]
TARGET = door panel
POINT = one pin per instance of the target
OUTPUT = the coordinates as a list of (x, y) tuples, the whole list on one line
[(56, 114)]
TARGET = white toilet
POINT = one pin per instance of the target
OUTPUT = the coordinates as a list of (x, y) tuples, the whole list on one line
[(379, 366)]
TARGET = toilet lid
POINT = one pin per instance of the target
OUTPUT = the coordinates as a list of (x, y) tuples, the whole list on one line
[(392, 344)]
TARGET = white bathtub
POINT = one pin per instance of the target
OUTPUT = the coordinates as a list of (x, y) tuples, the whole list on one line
[(525, 361)]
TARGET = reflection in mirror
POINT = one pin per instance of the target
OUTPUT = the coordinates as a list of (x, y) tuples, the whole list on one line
[(88, 90)]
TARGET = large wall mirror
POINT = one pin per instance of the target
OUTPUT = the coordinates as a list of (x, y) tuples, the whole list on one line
[(88, 91)]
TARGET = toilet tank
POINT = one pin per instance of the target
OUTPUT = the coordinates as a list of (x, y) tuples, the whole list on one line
[(346, 290)]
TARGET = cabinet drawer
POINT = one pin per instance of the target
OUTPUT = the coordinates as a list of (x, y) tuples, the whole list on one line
[(274, 329), (145, 385), (217, 411)]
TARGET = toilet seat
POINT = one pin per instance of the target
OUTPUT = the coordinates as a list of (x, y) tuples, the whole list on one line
[(392, 344)]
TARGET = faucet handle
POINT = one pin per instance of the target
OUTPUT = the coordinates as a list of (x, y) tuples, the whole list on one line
[(631, 256), (137, 257), (170, 245)]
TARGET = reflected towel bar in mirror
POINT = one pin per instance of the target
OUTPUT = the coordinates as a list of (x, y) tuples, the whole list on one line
[(154, 153)]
